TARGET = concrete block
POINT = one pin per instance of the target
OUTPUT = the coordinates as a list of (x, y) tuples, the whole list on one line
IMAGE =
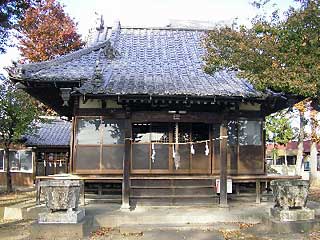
[(276, 226), (62, 217), (52, 231), (2, 212), (21, 211), (270, 225), (292, 214), (13, 213)]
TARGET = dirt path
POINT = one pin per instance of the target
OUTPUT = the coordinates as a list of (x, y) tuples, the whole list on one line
[(15, 230)]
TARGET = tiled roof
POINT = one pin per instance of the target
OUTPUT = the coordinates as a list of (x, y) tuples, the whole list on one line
[(55, 133), (144, 61), (293, 145)]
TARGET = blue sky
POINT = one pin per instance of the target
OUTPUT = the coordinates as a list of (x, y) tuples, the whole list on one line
[(152, 13)]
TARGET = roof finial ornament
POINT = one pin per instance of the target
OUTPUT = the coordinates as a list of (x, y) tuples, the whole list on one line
[(99, 22)]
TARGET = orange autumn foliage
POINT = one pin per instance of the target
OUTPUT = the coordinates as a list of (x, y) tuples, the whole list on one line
[(46, 32)]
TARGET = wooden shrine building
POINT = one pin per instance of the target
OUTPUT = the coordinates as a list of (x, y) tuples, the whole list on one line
[(143, 110)]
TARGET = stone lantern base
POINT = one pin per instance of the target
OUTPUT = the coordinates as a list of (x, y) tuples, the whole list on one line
[(53, 231), (292, 215), (62, 217)]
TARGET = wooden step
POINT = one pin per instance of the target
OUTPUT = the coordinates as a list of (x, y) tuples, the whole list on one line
[(172, 191), (172, 187), (186, 200), (176, 196), (99, 201), (109, 196), (172, 182)]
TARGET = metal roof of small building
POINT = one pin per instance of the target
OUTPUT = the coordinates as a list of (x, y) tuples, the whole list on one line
[(55, 133), (141, 61)]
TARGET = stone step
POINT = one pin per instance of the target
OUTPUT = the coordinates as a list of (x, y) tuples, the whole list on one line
[(138, 228), (21, 211), (17, 201), (174, 216)]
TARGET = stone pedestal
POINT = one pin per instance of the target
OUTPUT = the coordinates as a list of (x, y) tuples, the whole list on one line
[(63, 212), (292, 214), (53, 231), (62, 217)]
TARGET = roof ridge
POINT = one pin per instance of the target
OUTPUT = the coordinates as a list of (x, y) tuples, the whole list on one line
[(110, 43), (62, 58), (166, 28)]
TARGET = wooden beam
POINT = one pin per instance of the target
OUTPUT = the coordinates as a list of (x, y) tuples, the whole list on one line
[(126, 167), (223, 165), (164, 116)]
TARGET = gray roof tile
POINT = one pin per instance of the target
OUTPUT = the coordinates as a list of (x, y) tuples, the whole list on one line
[(54, 133), (145, 61)]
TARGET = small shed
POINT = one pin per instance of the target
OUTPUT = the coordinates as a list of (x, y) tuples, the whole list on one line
[(43, 153)]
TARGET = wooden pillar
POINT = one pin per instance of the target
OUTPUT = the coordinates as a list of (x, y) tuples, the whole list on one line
[(223, 165), (82, 194), (237, 188), (69, 165), (38, 191), (126, 167), (258, 191)]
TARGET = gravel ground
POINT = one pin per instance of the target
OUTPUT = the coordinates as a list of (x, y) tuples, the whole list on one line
[(18, 230)]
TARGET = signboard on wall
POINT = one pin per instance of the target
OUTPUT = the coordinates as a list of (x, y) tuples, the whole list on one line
[(229, 185)]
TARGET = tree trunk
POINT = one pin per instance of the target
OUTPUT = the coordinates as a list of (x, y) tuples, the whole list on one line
[(313, 148), (313, 164), (9, 179), (300, 144), (274, 154), (285, 155)]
